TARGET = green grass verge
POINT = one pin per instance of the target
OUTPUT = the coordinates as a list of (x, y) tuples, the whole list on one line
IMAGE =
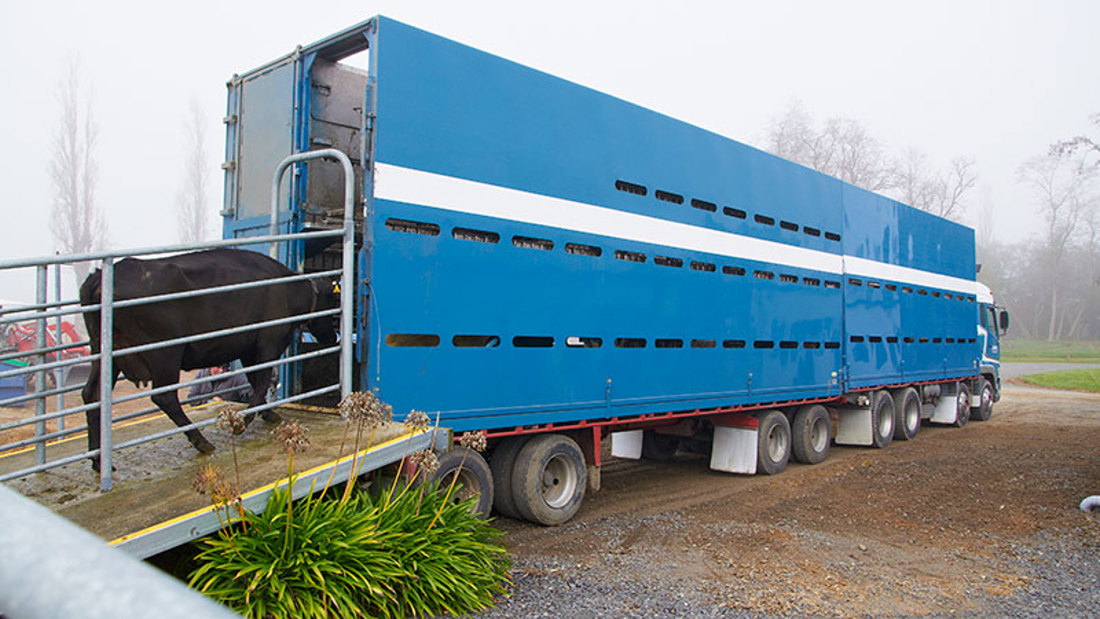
[(1058, 351), (1076, 380)]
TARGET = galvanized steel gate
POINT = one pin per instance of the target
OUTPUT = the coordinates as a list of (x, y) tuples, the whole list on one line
[(33, 365)]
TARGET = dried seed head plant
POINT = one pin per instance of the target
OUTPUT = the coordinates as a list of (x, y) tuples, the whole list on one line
[(474, 440), (230, 420), (417, 420), (425, 462), (291, 437)]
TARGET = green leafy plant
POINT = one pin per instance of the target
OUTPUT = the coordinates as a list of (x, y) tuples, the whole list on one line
[(411, 550)]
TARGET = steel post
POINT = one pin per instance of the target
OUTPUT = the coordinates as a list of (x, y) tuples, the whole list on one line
[(40, 376), (58, 373), (106, 369)]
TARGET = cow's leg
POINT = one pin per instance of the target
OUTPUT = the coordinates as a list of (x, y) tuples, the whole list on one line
[(90, 395), (260, 381), (169, 403)]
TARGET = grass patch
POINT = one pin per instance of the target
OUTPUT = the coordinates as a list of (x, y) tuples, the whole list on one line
[(1074, 380), (1058, 351)]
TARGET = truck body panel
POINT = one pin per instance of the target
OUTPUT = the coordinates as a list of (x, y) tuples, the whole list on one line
[(535, 251)]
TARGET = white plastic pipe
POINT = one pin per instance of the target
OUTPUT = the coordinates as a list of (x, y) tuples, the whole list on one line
[(1091, 503)]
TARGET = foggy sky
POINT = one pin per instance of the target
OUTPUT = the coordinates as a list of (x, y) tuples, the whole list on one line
[(994, 80)]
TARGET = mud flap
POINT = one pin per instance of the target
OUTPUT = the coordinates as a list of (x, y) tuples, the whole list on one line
[(627, 444), (854, 426), (734, 450), (945, 410)]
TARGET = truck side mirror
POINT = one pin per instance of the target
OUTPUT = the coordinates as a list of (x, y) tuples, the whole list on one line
[(1003, 321)]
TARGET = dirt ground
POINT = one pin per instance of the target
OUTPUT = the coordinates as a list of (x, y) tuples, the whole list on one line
[(950, 522)]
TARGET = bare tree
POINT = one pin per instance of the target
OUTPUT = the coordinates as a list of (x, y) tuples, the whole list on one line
[(937, 192), (191, 202), (842, 148), (1063, 185), (1081, 145), (77, 223)]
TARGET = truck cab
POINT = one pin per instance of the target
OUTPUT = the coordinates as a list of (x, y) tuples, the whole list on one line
[(992, 325)]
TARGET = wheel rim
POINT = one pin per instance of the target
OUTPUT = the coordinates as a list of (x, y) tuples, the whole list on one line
[(885, 424), (987, 397), (777, 443), (819, 434), (912, 416), (559, 481), (963, 401), (466, 486)]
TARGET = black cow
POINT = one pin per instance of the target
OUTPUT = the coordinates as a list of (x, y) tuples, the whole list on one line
[(166, 320)]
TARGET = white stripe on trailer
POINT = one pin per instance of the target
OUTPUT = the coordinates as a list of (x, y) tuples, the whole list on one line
[(401, 184)]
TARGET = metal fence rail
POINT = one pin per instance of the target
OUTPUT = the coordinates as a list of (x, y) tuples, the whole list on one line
[(60, 358)]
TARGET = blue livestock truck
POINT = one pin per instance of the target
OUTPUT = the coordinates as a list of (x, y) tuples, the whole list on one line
[(553, 265)]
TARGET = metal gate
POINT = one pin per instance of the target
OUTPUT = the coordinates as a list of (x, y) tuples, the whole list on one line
[(27, 369)]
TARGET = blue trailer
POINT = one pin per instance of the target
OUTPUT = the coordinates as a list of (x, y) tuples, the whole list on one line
[(551, 264)]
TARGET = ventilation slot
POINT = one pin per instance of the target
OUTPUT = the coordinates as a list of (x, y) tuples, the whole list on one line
[(412, 227), (811, 281), (763, 275), (728, 270), (667, 261), (637, 190), (856, 339), (788, 345), (832, 236), (667, 196), (789, 225), (854, 282), (873, 285), (733, 343), (704, 205), (475, 341), (527, 242), (832, 284), (875, 339), (811, 231), (811, 345), (481, 236), (583, 250), (891, 287), (629, 256), (629, 342), (832, 345), (709, 267), (763, 344), (704, 344), (788, 279), (764, 219), (576, 341), (532, 341), (668, 343), (733, 212), (412, 340)]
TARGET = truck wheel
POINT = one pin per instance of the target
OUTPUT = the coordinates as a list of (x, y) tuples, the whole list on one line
[(984, 405), (811, 434), (773, 442), (906, 414), (882, 419), (474, 478), (501, 464), (658, 447), (962, 404), (549, 479)]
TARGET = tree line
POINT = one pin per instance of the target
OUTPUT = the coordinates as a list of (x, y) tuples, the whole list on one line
[(1051, 282)]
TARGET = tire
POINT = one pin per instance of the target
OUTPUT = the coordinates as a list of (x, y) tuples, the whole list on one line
[(906, 414), (962, 404), (474, 477), (984, 410), (549, 479), (882, 419), (659, 447), (811, 434), (773, 443), (501, 464)]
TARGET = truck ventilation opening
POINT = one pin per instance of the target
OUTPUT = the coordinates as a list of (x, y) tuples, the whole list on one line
[(481, 236), (412, 227)]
